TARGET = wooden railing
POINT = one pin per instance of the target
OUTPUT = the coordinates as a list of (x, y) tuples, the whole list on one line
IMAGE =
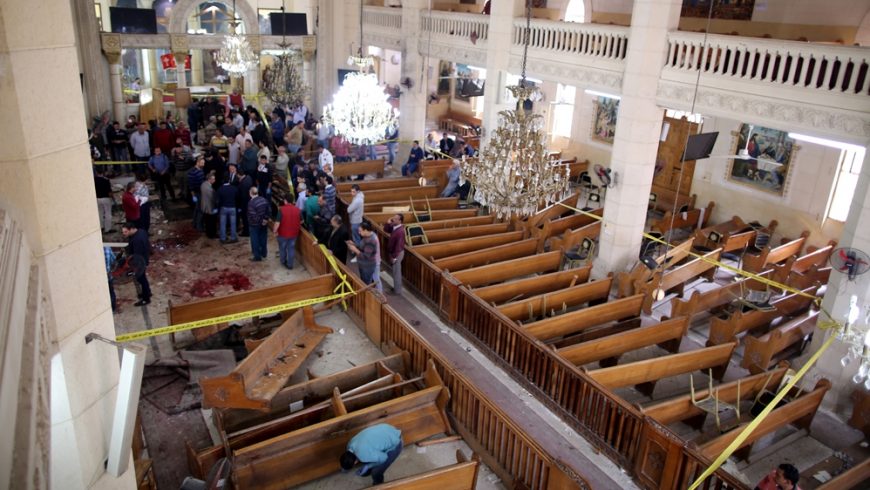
[(593, 40), (818, 67), (457, 25)]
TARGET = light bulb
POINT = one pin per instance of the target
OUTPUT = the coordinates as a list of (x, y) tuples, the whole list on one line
[(862, 370), (867, 340), (857, 378), (845, 361), (867, 384)]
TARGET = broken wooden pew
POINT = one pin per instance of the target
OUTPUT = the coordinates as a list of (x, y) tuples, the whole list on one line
[(261, 375), (539, 305), (730, 236), (416, 192), (312, 452), (644, 374), (254, 299), (726, 330), (663, 199), (441, 222), (798, 412), (855, 477), (435, 215), (677, 277), (756, 262), (717, 297), (779, 343), (578, 320), (555, 227), (540, 284), (606, 350), (681, 408), (459, 476), (554, 211)]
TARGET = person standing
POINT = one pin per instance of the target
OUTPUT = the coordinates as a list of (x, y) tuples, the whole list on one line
[(182, 160), (329, 196), (140, 141), (143, 196), (293, 137), (246, 182), (355, 211), (286, 228), (376, 447), (208, 205), (367, 253), (264, 177), (195, 178), (249, 159), (301, 196), (396, 249), (131, 206), (164, 138), (227, 200), (325, 160), (109, 255), (138, 249), (158, 164), (392, 145), (117, 137), (340, 148), (104, 199), (337, 240), (258, 218), (282, 163)]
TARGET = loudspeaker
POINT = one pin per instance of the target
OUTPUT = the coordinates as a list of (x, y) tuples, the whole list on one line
[(296, 24)]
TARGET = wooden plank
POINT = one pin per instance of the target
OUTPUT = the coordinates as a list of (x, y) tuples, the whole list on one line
[(541, 284), (579, 294), (575, 321), (438, 203), (458, 233), (851, 478), (416, 192), (677, 276), (725, 330), (635, 373), (363, 167), (463, 245), (459, 476), (705, 301), (681, 408), (436, 215), (573, 238), (553, 211), (443, 222), (616, 345), (376, 184), (756, 263), (762, 351), (640, 274), (502, 271), (491, 255), (558, 226), (799, 411)]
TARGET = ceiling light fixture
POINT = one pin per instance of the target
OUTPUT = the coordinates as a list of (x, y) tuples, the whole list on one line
[(236, 55)]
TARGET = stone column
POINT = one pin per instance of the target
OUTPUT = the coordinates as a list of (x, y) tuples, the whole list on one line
[(112, 50), (636, 142), (196, 67), (252, 77), (412, 103), (309, 73), (856, 234), (63, 234), (498, 57), (152, 77), (180, 73), (96, 81), (326, 64)]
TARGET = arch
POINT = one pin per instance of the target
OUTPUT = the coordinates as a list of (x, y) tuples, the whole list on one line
[(573, 7), (862, 37), (184, 8)]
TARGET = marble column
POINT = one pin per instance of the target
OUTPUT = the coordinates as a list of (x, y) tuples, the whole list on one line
[(327, 32), (412, 103), (116, 71), (94, 68), (309, 73), (636, 142), (152, 77), (181, 75), (498, 57), (57, 212), (840, 290), (196, 61)]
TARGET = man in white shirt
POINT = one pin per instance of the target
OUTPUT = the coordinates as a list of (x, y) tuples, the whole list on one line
[(325, 160), (299, 114), (242, 136), (141, 144), (238, 120)]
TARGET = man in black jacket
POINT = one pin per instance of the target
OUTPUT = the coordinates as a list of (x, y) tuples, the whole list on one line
[(138, 249), (245, 183)]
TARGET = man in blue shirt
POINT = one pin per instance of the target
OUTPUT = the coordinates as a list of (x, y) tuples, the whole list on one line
[(158, 164), (376, 447), (414, 158)]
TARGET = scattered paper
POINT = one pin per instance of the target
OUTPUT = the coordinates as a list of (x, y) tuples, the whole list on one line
[(341, 331), (822, 476), (421, 449), (296, 406), (166, 262)]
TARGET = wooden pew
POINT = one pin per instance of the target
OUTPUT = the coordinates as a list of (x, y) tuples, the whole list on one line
[(240, 428), (852, 478), (576, 168), (363, 167), (439, 203), (312, 452), (378, 184), (798, 412), (435, 172), (815, 257), (558, 226), (625, 281), (537, 306), (667, 200), (689, 219), (523, 288), (644, 374), (726, 330), (756, 263), (677, 278), (451, 248), (443, 222), (459, 476), (491, 255), (460, 232), (259, 377), (203, 309), (573, 238), (732, 235), (765, 350), (502, 271), (553, 211), (717, 297), (417, 193), (812, 276), (438, 214), (681, 408), (668, 334), (578, 320)]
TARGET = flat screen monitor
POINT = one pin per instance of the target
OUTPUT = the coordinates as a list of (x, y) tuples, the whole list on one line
[(699, 146), (133, 21), (296, 24)]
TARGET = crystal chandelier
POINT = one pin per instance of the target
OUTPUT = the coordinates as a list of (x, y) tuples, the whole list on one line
[(514, 174), (286, 85), (857, 342), (360, 110), (236, 55)]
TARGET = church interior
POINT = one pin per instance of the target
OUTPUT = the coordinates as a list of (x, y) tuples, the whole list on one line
[(556, 244)]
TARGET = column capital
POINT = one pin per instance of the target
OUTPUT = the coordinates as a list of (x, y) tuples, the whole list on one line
[(179, 43), (255, 43), (111, 43)]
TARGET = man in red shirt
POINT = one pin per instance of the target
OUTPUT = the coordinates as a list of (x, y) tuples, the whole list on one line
[(396, 249), (164, 138), (130, 204), (286, 228), (786, 477)]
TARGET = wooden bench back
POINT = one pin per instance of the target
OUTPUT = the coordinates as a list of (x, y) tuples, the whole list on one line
[(436, 215), (491, 255), (406, 194), (713, 298), (459, 476), (451, 248), (616, 345), (678, 276), (460, 232), (854, 477), (441, 222), (689, 219), (641, 274), (762, 351), (576, 321), (553, 211), (362, 167), (343, 188), (524, 288), (439, 203), (502, 271), (576, 295), (756, 263), (725, 330)]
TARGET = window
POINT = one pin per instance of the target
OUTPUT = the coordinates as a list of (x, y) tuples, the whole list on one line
[(851, 161), (563, 110), (576, 11)]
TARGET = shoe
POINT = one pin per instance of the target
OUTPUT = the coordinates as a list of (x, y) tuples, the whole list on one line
[(234, 240), (256, 259), (245, 234), (353, 260), (223, 241), (142, 302)]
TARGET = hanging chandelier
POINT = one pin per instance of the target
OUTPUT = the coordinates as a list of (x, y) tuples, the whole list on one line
[(236, 56), (360, 110), (286, 84), (514, 174)]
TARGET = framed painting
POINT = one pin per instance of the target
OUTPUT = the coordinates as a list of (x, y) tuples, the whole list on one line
[(604, 119), (770, 153)]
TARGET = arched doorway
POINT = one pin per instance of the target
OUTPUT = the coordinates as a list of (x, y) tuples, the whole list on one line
[(185, 8), (578, 11)]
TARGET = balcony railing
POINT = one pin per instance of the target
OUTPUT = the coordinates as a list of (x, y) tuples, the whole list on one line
[(383, 17), (594, 40), (822, 68), (458, 25)]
